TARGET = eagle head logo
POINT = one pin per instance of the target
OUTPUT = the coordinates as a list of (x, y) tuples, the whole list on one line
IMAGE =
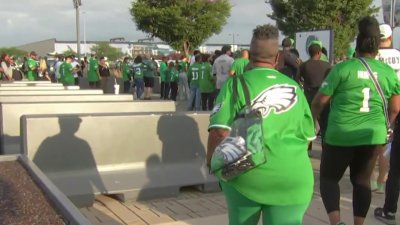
[(280, 98)]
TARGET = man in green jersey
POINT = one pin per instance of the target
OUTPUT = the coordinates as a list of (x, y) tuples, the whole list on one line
[(66, 72), (281, 189), (184, 92), (148, 73), (206, 84), (93, 72), (163, 71), (357, 126), (240, 64), (33, 66), (126, 75), (138, 70), (193, 77)]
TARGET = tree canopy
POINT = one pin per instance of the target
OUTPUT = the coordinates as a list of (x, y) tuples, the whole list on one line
[(341, 16), (105, 49), (183, 24), (13, 52)]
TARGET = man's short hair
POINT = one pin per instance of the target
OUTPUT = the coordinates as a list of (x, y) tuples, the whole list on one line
[(286, 42), (33, 53), (259, 49), (225, 49), (314, 49)]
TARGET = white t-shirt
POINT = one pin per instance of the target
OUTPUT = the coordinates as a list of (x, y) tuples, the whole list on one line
[(222, 66), (391, 57), (57, 67), (74, 64)]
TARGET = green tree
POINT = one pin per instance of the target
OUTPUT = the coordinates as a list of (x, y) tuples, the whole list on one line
[(182, 24), (341, 16), (13, 52), (69, 52), (105, 49)]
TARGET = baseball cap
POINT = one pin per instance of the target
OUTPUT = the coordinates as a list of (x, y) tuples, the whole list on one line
[(386, 31)]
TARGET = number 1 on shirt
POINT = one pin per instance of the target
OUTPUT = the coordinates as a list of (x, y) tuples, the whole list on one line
[(365, 104)]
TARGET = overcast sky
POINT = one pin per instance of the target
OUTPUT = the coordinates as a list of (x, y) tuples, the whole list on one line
[(26, 21)]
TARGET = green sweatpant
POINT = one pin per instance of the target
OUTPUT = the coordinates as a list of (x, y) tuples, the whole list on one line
[(243, 211)]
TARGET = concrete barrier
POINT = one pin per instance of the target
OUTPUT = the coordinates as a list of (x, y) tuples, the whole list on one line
[(134, 156), (53, 92), (66, 98), (39, 88), (28, 84), (11, 113)]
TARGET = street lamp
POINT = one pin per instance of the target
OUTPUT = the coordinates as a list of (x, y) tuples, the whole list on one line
[(77, 4), (393, 13), (84, 32), (233, 37)]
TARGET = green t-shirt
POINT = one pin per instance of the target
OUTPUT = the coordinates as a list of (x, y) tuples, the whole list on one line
[(67, 78), (163, 70), (287, 176), (138, 70), (92, 70), (32, 69), (126, 71), (239, 65), (148, 68), (356, 116), (193, 74), (183, 66), (173, 75), (206, 82)]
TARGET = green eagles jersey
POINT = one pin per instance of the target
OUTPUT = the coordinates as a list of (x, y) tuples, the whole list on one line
[(126, 72), (356, 116), (183, 66), (239, 65), (206, 82), (193, 74), (92, 70), (148, 68), (138, 70), (67, 78), (32, 69), (163, 70), (173, 75), (287, 177)]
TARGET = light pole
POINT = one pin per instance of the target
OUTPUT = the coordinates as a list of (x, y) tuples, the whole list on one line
[(392, 13), (233, 37), (84, 32), (77, 4)]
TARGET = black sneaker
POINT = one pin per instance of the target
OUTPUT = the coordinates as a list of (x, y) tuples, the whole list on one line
[(387, 218)]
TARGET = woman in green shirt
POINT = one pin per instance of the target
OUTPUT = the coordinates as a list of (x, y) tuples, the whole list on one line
[(281, 189), (357, 127)]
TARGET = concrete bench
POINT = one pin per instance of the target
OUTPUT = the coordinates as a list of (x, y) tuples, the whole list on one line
[(11, 113), (28, 85), (66, 98), (39, 88), (27, 82), (134, 156), (53, 92)]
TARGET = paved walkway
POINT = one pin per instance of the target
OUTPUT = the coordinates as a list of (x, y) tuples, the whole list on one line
[(195, 208)]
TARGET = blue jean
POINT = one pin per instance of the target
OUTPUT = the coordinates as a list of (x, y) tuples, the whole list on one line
[(195, 96), (139, 87)]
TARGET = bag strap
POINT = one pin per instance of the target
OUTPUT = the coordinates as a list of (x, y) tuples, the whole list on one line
[(246, 92), (379, 89)]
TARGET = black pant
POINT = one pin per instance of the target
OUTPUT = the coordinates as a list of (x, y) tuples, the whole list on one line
[(174, 90), (334, 162), (207, 99), (162, 89), (76, 81), (393, 181), (166, 90), (127, 86)]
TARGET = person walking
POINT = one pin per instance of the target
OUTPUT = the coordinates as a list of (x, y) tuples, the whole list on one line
[(104, 73), (288, 62), (138, 76), (149, 73), (66, 72), (281, 189), (32, 67), (222, 66), (239, 65), (183, 89), (193, 77), (126, 75), (206, 84), (357, 125), (163, 71)]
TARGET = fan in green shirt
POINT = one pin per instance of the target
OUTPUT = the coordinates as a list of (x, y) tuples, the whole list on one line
[(206, 82), (239, 65), (93, 71), (163, 70), (32, 67), (67, 78), (285, 182), (126, 71)]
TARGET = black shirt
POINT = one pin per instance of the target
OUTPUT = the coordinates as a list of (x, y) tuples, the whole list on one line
[(313, 73), (104, 71)]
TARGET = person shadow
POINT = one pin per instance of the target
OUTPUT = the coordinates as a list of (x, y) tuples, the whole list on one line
[(182, 160), (68, 161)]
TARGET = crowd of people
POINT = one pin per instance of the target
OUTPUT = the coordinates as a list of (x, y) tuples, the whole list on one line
[(352, 104)]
